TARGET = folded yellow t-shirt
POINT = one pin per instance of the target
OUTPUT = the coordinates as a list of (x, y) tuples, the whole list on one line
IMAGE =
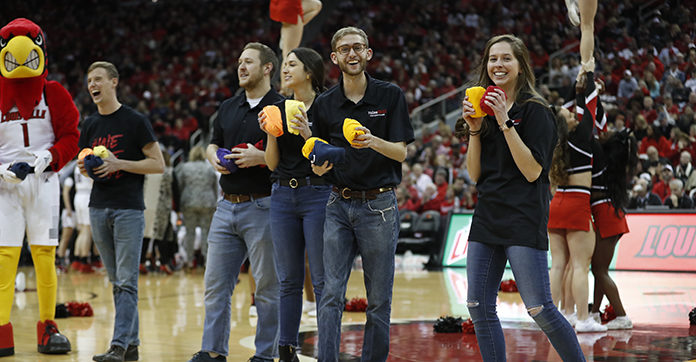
[(349, 131), (309, 146), (292, 107), (475, 94)]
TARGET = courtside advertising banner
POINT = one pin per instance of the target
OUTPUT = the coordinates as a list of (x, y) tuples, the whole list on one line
[(656, 242)]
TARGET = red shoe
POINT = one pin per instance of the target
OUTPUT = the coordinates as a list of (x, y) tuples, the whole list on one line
[(6, 340), (143, 269), (76, 265), (86, 268), (97, 264), (166, 269), (50, 341)]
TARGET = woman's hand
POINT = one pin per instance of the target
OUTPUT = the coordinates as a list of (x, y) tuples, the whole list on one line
[(301, 124), (467, 111), (262, 122), (498, 103), (321, 170)]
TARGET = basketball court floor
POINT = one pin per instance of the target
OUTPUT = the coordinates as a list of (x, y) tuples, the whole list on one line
[(172, 315)]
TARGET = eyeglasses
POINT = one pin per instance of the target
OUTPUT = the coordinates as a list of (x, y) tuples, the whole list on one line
[(345, 49)]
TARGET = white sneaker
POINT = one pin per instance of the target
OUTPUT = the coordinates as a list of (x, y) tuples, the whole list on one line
[(620, 323), (252, 311), (589, 325), (597, 317), (573, 12), (572, 318)]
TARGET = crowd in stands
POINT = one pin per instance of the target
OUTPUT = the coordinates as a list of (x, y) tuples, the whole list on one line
[(178, 62)]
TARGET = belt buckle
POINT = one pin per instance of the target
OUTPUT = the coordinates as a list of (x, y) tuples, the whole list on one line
[(293, 183), (237, 199), (345, 193)]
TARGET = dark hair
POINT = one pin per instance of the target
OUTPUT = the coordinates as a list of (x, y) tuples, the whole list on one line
[(561, 155), (621, 154), (266, 55), (313, 65)]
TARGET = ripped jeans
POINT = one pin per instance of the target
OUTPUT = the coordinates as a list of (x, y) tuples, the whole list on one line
[(485, 267), (369, 228)]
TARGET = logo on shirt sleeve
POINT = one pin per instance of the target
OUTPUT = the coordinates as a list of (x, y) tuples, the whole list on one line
[(377, 113)]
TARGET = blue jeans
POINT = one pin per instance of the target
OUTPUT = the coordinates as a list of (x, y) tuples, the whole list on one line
[(238, 230), (370, 228), (485, 265), (297, 223), (118, 234)]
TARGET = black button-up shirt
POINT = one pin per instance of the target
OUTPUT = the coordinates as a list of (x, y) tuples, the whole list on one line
[(384, 112), (235, 123)]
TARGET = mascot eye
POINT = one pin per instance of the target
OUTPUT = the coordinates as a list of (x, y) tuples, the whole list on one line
[(38, 40), (3, 42)]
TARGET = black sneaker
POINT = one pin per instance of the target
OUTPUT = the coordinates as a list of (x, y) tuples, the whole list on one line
[(202, 356), (114, 354), (259, 359), (131, 353)]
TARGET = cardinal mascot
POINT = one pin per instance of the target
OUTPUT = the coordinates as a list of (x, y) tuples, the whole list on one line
[(38, 136)]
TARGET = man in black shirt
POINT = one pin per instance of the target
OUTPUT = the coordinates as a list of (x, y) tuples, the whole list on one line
[(116, 202), (362, 214), (240, 225)]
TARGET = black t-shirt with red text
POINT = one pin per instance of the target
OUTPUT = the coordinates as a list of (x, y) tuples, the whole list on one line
[(124, 132)]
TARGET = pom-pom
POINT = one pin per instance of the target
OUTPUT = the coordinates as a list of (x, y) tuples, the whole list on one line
[(356, 304), (77, 309), (468, 327), (448, 324), (608, 314), (484, 107), (692, 317), (508, 286), (21, 169)]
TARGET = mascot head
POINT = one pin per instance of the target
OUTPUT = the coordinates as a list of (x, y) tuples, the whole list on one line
[(23, 66), (22, 50)]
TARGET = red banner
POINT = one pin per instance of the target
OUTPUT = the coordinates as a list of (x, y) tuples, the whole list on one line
[(658, 242)]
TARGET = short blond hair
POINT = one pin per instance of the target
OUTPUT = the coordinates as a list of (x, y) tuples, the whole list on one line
[(110, 69), (346, 31)]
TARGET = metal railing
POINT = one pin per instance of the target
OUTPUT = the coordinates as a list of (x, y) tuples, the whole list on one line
[(437, 108)]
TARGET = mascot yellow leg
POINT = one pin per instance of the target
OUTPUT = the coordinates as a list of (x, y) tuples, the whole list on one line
[(9, 257), (50, 340)]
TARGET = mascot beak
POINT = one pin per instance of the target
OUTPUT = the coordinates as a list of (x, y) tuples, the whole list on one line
[(22, 57)]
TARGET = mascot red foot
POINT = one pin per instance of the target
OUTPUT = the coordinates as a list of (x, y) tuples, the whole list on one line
[(38, 136)]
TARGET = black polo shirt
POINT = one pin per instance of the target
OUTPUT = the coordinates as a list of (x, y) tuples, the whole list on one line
[(511, 210), (383, 111), (292, 163), (236, 122)]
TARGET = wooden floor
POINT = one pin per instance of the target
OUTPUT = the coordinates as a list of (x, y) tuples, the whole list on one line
[(172, 314)]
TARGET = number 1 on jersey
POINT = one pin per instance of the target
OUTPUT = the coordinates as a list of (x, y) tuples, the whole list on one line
[(25, 131)]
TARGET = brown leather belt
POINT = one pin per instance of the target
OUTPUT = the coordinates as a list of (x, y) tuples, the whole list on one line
[(239, 198), (347, 193), (303, 181)]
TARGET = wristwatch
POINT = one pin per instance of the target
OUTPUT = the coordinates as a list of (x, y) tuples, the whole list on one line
[(507, 125)]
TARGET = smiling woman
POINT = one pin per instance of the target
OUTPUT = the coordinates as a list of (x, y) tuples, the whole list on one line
[(509, 157)]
